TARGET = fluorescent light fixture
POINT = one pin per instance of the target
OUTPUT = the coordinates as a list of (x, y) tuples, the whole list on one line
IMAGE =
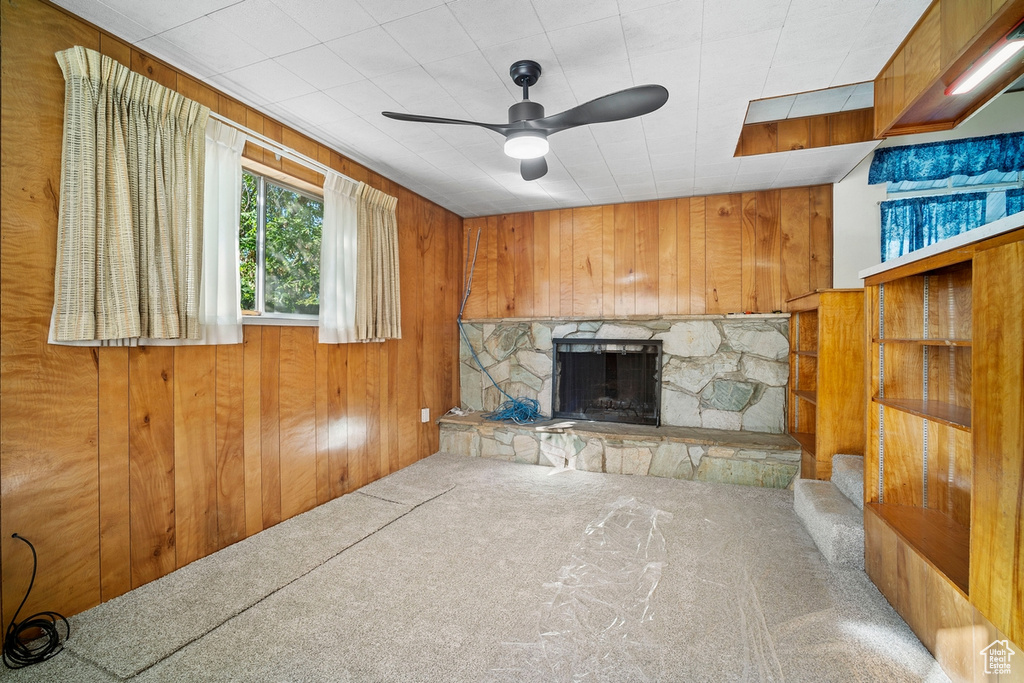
[(1000, 53), (527, 144)]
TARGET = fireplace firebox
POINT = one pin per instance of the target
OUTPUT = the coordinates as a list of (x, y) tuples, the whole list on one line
[(608, 380)]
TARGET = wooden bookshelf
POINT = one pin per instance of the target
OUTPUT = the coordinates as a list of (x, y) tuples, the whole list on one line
[(944, 458), (826, 409), (937, 411), (941, 541)]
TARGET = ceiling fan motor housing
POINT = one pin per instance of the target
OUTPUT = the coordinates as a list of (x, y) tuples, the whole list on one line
[(526, 110)]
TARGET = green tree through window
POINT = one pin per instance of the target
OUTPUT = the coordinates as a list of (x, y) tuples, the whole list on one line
[(292, 224)]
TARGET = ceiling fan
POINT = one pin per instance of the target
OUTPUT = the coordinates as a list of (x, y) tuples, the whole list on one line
[(526, 133)]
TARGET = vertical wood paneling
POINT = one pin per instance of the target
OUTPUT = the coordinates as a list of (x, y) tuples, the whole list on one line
[(410, 351), (587, 265), (820, 237), (151, 459), (130, 462), (723, 266), (795, 224), (625, 259), (541, 264), (297, 406), (524, 262), (491, 266), (667, 259), (682, 257), (768, 252), (231, 488), (337, 407), (714, 254), (474, 243), (270, 419), (608, 261), (647, 258), (427, 336), (506, 265), (566, 262), (554, 262), (48, 440), (371, 451), (387, 419), (698, 255), (252, 427), (323, 422), (195, 452), (356, 423), (118, 50), (152, 68), (748, 258), (114, 474)]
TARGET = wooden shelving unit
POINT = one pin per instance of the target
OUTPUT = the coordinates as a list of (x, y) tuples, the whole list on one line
[(944, 460), (826, 377)]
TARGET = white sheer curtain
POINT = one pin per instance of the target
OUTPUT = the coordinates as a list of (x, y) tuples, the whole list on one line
[(220, 305), (338, 261)]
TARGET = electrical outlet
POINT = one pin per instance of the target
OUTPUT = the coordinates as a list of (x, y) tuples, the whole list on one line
[(425, 415)]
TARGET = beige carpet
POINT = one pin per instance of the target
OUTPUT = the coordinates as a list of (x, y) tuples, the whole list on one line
[(460, 569)]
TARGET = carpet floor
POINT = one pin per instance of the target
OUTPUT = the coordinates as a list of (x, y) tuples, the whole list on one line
[(460, 569)]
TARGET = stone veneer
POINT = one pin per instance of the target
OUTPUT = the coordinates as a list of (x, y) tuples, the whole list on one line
[(718, 371), (768, 460)]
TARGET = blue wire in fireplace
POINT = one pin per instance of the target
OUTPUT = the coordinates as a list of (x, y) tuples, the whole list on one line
[(520, 410)]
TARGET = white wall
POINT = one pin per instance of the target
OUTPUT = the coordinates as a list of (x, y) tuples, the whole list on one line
[(856, 222)]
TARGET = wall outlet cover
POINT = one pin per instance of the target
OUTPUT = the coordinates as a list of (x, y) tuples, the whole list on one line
[(425, 415)]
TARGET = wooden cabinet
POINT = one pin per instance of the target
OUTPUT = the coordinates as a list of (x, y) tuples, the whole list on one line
[(826, 377), (944, 460)]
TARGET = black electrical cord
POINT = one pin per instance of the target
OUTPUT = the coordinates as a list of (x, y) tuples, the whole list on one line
[(23, 644)]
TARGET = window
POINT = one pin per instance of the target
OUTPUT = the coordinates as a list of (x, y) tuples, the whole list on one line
[(995, 185), (279, 248)]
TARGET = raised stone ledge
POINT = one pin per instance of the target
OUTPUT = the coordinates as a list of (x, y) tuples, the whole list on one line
[(723, 456)]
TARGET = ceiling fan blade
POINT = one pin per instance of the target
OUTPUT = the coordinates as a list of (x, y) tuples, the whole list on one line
[(531, 169), (625, 104), (496, 127)]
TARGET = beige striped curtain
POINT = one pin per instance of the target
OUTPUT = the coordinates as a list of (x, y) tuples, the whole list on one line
[(378, 293), (130, 227)]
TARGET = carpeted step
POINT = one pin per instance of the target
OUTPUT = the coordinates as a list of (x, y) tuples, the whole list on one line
[(848, 476), (834, 523)]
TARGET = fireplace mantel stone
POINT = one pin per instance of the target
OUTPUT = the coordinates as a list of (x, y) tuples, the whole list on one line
[(718, 371)]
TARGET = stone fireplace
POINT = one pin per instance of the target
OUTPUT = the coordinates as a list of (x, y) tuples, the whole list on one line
[(717, 371), (607, 380)]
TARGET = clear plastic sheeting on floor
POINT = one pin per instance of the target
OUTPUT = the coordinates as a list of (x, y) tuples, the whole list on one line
[(557, 448), (594, 628)]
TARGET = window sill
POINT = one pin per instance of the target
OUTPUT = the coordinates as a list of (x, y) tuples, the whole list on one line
[(285, 321)]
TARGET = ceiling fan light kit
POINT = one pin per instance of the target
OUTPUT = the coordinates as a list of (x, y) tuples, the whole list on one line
[(526, 144), (526, 133)]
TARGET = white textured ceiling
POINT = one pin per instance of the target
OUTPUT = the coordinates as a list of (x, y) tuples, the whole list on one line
[(329, 67)]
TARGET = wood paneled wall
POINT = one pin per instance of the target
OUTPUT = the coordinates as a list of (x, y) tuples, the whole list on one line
[(121, 465), (807, 132), (715, 254)]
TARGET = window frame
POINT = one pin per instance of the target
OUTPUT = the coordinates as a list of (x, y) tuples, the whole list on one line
[(292, 184)]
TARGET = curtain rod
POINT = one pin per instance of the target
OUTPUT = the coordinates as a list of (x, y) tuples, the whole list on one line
[(281, 150)]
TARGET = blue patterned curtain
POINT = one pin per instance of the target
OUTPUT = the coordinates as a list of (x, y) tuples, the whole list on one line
[(1014, 201), (909, 224), (938, 160)]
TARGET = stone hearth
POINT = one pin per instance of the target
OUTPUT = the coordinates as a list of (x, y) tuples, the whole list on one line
[(724, 456)]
